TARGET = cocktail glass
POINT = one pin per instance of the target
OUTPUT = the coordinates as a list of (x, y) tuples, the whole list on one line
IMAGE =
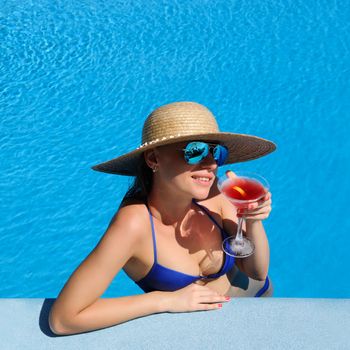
[(241, 189)]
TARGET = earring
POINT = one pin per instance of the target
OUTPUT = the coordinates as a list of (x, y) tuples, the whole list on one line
[(154, 169)]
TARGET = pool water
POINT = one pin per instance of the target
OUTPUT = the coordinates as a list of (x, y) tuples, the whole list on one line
[(78, 79)]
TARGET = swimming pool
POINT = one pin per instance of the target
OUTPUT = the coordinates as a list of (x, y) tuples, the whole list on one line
[(77, 81)]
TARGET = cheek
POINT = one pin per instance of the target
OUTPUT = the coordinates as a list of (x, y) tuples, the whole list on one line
[(176, 172), (172, 164)]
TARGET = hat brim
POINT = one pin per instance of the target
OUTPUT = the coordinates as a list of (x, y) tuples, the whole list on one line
[(241, 148)]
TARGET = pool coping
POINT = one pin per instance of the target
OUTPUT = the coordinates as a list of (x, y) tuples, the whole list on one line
[(242, 323)]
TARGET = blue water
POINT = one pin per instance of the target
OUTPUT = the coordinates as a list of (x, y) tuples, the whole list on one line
[(77, 80)]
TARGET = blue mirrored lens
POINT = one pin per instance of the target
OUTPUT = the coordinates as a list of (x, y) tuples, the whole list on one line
[(220, 154), (196, 152)]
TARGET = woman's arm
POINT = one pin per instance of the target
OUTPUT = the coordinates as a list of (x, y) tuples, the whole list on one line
[(79, 307), (256, 265)]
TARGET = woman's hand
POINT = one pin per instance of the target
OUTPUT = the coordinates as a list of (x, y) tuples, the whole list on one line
[(258, 210), (194, 297)]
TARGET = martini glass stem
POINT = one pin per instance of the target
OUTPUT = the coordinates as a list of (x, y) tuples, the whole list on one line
[(239, 235)]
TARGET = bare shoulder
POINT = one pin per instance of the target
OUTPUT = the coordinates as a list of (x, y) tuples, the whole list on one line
[(224, 209), (115, 248), (228, 210), (217, 202), (125, 231), (130, 220)]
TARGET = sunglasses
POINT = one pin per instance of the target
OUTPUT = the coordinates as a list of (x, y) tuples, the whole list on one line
[(196, 151)]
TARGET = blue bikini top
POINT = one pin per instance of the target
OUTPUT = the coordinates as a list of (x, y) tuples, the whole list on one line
[(165, 279)]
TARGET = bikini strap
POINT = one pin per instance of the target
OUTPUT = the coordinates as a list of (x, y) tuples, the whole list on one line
[(223, 233), (153, 235)]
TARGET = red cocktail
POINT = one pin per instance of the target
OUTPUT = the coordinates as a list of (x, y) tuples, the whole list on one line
[(241, 190)]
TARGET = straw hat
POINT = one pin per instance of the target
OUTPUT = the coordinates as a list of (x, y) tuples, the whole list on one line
[(186, 121)]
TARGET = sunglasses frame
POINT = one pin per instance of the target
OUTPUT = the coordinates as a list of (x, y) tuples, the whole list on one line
[(211, 149)]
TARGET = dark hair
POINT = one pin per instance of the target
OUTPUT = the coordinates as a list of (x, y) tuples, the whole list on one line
[(142, 184)]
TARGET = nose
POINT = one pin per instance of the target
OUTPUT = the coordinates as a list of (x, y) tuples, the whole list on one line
[(209, 162)]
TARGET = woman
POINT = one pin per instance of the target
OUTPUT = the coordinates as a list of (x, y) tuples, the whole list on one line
[(168, 231)]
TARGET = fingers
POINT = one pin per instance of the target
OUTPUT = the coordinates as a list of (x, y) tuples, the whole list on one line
[(206, 292), (256, 215), (259, 210), (256, 211), (265, 200), (260, 207), (259, 204), (208, 299), (230, 174), (267, 196), (211, 299), (193, 298), (207, 307)]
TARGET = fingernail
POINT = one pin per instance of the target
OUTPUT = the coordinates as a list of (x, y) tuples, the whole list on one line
[(220, 305), (227, 298)]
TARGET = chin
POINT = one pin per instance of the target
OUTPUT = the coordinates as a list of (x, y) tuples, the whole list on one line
[(200, 195), (196, 191)]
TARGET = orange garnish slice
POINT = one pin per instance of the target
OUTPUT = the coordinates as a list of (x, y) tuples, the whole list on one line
[(240, 190)]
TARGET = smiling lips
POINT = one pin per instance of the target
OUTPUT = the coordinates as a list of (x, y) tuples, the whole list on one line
[(203, 179)]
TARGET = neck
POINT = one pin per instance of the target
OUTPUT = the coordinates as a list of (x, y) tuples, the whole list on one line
[(168, 208)]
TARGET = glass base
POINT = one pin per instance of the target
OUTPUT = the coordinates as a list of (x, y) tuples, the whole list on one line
[(238, 249)]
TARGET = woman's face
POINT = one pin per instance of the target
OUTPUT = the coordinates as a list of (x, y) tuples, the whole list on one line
[(175, 175)]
